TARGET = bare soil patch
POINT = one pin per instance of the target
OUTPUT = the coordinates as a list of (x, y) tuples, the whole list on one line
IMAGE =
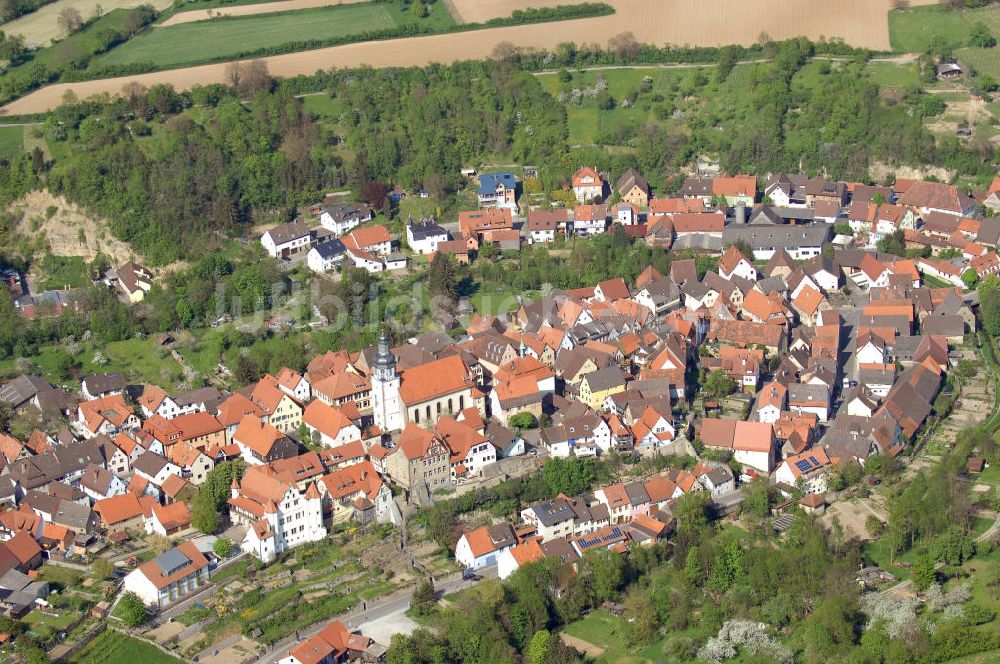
[(880, 171), (852, 515), (70, 231), (250, 10), (480, 11), (586, 647), (859, 22)]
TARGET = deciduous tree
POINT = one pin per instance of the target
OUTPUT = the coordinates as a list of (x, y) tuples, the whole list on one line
[(69, 20)]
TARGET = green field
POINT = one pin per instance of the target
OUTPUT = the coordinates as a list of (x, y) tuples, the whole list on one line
[(11, 141), (113, 647), (890, 75), (607, 631), (325, 108), (140, 360), (913, 30), (217, 39), (588, 123), (491, 299)]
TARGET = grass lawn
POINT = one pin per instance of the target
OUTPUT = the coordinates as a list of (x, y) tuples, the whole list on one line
[(992, 657), (980, 526), (231, 37), (113, 647), (63, 271), (878, 551), (11, 141), (989, 476), (139, 360), (912, 30), (230, 570), (607, 631), (193, 615), (61, 576), (493, 299), (893, 76), (325, 108), (931, 281), (587, 123), (47, 625)]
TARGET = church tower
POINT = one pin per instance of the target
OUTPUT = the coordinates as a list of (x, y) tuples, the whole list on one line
[(386, 406)]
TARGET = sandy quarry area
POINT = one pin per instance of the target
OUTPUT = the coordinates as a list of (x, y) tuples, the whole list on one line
[(717, 22), (250, 10), (69, 231), (41, 27)]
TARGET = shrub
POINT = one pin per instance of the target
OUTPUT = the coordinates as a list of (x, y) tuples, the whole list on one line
[(131, 609), (523, 420), (981, 37), (222, 547)]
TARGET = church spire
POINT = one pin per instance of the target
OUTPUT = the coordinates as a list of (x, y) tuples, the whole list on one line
[(385, 361)]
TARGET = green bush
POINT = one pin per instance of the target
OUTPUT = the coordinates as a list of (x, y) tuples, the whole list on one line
[(131, 609), (222, 547), (523, 420)]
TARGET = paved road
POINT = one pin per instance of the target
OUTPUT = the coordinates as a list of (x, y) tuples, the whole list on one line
[(66, 563), (381, 611), (851, 318)]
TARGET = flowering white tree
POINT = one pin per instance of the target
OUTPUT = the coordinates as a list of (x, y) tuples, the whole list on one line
[(751, 636), (899, 613)]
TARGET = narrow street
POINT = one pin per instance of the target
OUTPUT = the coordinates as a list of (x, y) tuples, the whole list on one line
[(379, 619)]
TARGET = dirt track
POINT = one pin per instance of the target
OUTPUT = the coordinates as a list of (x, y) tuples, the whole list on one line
[(249, 10), (860, 22), (586, 647)]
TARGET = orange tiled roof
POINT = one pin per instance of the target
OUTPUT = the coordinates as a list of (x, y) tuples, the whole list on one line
[(258, 436), (434, 379), (118, 508)]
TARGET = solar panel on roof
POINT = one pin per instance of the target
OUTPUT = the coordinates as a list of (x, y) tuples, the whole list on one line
[(813, 459), (802, 465), (171, 561)]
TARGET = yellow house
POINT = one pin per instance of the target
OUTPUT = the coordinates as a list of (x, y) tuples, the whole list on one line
[(134, 281), (633, 188), (598, 385), (280, 410)]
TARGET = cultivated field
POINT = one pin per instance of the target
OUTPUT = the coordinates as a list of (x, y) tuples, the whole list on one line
[(480, 11), (114, 647), (41, 27), (249, 10), (232, 36), (860, 22)]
